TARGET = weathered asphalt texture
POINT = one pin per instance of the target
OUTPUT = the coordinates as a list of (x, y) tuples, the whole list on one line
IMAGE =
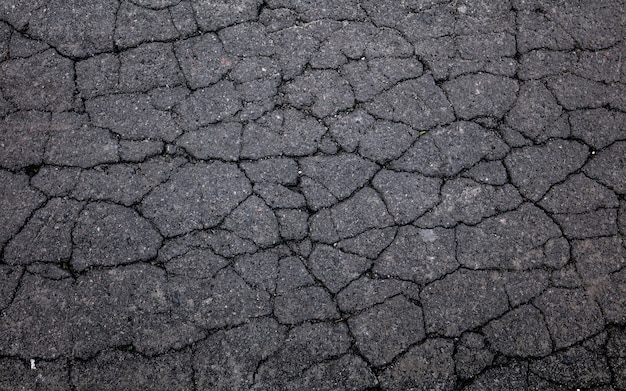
[(329, 195)]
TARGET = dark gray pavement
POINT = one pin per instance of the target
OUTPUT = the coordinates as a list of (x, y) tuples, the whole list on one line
[(312, 195)]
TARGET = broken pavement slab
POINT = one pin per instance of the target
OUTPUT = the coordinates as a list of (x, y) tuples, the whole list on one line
[(333, 195)]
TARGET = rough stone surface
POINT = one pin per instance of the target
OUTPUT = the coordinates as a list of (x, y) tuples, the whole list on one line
[(468, 202), (581, 319), (462, 300), (481, 95), (297, 195), (18, 201), (201, 197), (107, 234), (419, 103), (605, 167), (446, 151), (427, 366), (51, 229), (534, 169), (420, 255), (522, 239), (407, 195), (384, 331), (520, 332), (254, 220)]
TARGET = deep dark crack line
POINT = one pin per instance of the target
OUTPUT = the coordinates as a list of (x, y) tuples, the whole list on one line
[(331, 195)]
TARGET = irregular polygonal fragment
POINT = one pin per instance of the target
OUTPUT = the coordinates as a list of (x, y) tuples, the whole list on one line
[(132, 116), (23, 136), (511, 377), (219, 141), (481, 95), (417, 23), (463, 300), (41, 306), (108, 234), (386, 329), (76, 28), (523, 285), (369, 78), (538, 31), (224, 300), (370, 243), (575, 92), (44, 81), (304, 304), (535, 112), (73, 142), (487, 46), (196, 263), (136, 24), (349, 372), (590, 368), (247, 39), (407, 195), (17, 201), (323, 92), (122, 183), (98, 75), (254, 220), (489, 173), (326, 9), (535, 169), (277, 170), (610, 293), (202, 60), (539, 63), (47, 235), (196, 197), (388, 43), (279, 196), (591, 25), (571, 315), (292, 275), (335, 268), (108, 303), (420, 255), (578, 194), (221, 13), (607, 167), (447, 150), (229, 358), (259, 270), (294, 48), (466, 201), (520, 332), (363, 211), (366, 292), (116, 370), (429, 366), (598, 127), (471, 355), (305, 345), (340, 174), (385, 141), (208, 105), (598, 258), (418, 103), (513, 240), (140, 150)]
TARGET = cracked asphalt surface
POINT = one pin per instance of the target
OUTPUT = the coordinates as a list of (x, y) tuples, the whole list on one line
[(331, 195)]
